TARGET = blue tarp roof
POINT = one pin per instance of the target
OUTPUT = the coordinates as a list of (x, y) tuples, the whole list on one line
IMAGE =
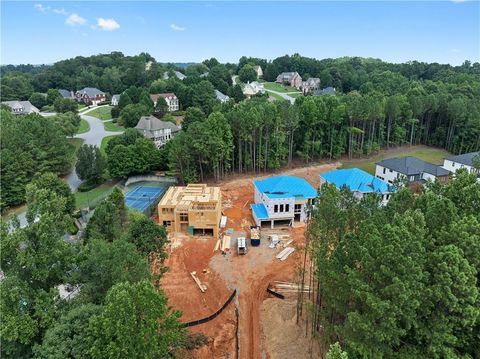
[(357, 180), (259, 210), (286, 187)]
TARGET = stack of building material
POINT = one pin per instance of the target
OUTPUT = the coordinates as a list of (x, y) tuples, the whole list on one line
[(226, 243), (217, 245), (286, 287), (255, 235), (200, 285), (273, 241), (285, 253)]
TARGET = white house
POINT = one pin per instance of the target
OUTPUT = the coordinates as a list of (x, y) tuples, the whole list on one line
[(221, 97), (178, 75), (281, 199), (454, 163), (359, 182), (115, 100), (160, 132), (258, 70), (21, 107), (252, 88), (170, 98), (410, 168)]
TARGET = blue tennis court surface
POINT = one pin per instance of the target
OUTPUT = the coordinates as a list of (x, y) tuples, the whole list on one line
[(142, 197)]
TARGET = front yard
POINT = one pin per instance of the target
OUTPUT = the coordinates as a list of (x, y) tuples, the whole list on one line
[(429, 154), (105, 142), (111, 126), (84, 127), (102, 113), (279, 87), (89, 198)]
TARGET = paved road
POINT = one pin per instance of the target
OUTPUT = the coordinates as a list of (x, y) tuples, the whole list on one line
[(284, 95), (94, 137)]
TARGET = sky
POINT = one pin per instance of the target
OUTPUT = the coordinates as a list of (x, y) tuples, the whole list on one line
[(43, 32)]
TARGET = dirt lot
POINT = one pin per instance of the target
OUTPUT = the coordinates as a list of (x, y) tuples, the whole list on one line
[(249, 274)]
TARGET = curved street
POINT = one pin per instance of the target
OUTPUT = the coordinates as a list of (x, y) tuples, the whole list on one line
[(94, 137), (284, 95)]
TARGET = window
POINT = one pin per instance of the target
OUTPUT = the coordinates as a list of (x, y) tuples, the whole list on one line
[(398, 175), (298, 207), (390, 170), (281, 208), (184, 217), (453, 164), (287, 208), (275, 208), (167, 223), (384, 170)]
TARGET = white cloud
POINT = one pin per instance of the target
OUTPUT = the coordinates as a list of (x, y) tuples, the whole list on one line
[(41, 8), (177, 28), (61, 11), (75, 19), (107, 24)]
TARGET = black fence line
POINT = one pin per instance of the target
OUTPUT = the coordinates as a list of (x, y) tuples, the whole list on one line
[(278, 295), (214, 315)]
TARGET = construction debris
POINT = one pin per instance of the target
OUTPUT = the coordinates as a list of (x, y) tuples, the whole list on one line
[(285, 253), (285, 287), (285, 245), (217, 245), (273, 241), (202, 286)]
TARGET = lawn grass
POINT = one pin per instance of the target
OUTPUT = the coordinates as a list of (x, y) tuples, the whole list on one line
[(295, 95), (110, 126), (276, 97), (102, 113), (83, 199), (279, 87), (84, 127), (105, 142), (76, 142), (429, 154)]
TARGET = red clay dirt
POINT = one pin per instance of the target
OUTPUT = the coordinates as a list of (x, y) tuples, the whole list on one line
[(249, 274)]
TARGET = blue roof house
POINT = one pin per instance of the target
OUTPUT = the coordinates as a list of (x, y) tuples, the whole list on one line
[(359, 182), (281, 199)]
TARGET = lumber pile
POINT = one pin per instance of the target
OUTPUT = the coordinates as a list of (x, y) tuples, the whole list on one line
[(286, 287), (200, 285), (217, 245), (226, 243), (255, 233), (283, 255)]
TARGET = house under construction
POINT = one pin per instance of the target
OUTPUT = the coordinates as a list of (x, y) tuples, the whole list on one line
[(194, 209)]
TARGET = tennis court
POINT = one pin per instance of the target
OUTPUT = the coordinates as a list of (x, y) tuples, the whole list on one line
[(142, 198)]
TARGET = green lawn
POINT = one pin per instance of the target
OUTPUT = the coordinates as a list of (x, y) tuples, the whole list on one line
[(76, 142), (102, 113), (104, 143), (110, 126), (84, 127), (81, 106), (295, 95), (83, 199), (279, 87), (276, 97), (429, 154)]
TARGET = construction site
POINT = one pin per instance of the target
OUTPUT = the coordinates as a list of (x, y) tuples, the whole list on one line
[(237, 284)]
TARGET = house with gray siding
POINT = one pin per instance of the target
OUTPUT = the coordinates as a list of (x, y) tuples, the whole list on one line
[(160, 132), (410, 168)]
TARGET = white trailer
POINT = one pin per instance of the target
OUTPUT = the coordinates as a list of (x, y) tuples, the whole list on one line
[(242, 245)]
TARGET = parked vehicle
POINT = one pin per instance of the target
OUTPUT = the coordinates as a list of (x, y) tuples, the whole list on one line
[(242, 245)]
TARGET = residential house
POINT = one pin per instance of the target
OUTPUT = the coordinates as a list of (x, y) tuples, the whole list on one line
[(410, 168), (258, 70), (160, 132), (90, 95), (194, 209), (21, 107), (170, 98), (178, 75), (66, 94), (454, 163), (252, 88), (205, 74), (115, 100), (221, 97), (326, 91), (290, 78), (281, 199), (359, 182), (312, 84)]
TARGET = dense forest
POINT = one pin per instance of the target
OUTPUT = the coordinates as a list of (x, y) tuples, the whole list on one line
[(45, 315), (401, 281), (377, 105)]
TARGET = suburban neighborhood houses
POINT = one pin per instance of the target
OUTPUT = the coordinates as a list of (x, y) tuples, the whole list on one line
[(410, 169), (290, 78), (179, 181), (170, 98), (160, 132), (21, 107), (90, 95)]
